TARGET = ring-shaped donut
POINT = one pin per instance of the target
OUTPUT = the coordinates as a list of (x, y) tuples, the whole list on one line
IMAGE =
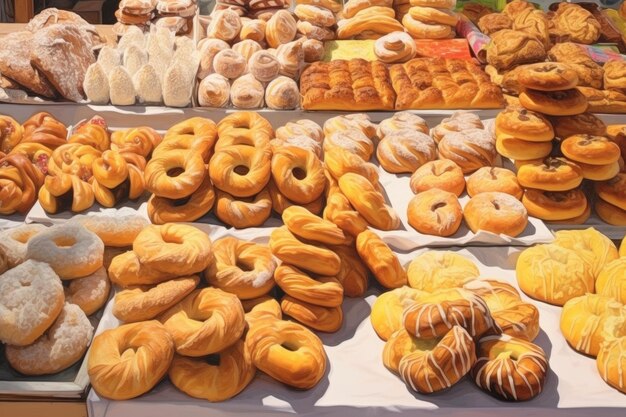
[(238, 123), (163, 210), (162, 181), (197, 127), (243, 212), (298, 174), (239, 170)]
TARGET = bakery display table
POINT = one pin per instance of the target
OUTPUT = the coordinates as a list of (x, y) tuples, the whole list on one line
[(357, 383)]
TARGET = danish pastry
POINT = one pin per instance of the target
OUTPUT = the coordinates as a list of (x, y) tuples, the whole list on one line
[(494, 179), (386, 315), (596, 249), (551, 174), (436, 270), (320, 318), (317, 259)]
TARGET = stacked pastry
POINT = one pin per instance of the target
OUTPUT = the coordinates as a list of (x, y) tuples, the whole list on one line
[(364, 19), (50, 57), (448, 324), (249, 76), (253, 9), (24, 154), (176, 16), (86, 169), (612, 98), (428, 19), (316, 20), (177, 175), (158, 68), (354, 198), (585, 275), (45, 327)]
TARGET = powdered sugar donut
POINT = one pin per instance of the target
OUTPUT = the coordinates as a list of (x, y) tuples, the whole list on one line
[(89, 293), (114, 230), (70, 249), (62, 345), (13, 241), (31, 297)]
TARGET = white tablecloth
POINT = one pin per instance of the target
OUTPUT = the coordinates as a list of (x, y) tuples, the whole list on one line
[(357, 383)]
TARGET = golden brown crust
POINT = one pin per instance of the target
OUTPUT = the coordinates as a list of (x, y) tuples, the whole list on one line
[(509, 48), (494, 22), (548, 76), (576, 23), (524, 124), (552, 174), (554, 103), (604, 101)]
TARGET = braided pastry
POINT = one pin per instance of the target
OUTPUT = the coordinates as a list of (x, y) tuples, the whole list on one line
[(91, 134), (43, 128), (63, 191), (20, 181), (74, 159), (116, 179)]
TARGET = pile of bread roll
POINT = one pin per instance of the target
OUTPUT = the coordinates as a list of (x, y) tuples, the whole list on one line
[(366, 19), (54, 280), (317, 19), (449, 323), (174, 15), (428, 19), (582, 271), (95, 166), (24, 154), (156, 68)]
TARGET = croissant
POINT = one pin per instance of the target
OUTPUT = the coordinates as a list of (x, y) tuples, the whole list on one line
[(65, 191), (19, 182)]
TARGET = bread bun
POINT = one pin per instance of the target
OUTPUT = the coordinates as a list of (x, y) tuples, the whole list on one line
[(490, 179), (435, 212), (554, 103), (518, 149), (214, 91), (509, 48), (548, 76), (610, 214), (584, 123), (551, 174), (524, 124), (497, 213), (593, 150), (555, 205), (443, 174)]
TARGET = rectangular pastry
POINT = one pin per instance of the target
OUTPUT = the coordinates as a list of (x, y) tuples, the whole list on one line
[(438, 83), (355, 85)]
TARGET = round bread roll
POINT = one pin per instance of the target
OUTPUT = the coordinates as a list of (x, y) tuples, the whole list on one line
[(435, 212), (280, 29), (470, 149), (593, 150), (554, 103), (494, 179), (582, 219), (229, 63), (282, 93), (225, 25), (247, 48), (548, 76), (214, 91), (442, 174), (434, 270), (584, 319), (595, 248), (264, 66), (553, 274), (386, 316), (247, 93), (611, 281), (613, 191), (551, 174), (554, 205), (580, 124), (518, 149), (208, 49), (524, 124), (497, 213)]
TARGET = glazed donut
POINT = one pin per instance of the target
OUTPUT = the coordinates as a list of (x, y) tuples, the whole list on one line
[(400, 344), (63, 344), (435, 212), (264, 66), (594, 150), (494, 179), (322, 291), (401, 120), (317, 259), (554, 205), (33, 292), (584, 319), (305, 225), (229, 64), (130, 360), (436, 314), (243, 212), (125, 270), (322, 319), (163, 210), (514, 317), (158, 174), (341, 162), (339, 211), (554, 103), (611, 280), (239, 170), (70, 249), (116, 231), (298, 174), (613, 191), (440, 366), (13, 242), (510, 368), (142, 303), (524, 124), (245, 269), (379, 259), (280, 202), (352, 140), (280, 29), (287, 351), (395, 47), (358, 121), (404, 151), (551, 174), (435, 270), (368, 201), (442, 174), (496, 212), (596, 249), (89, 293), (11, 135), (584, 123), (553, 274), (386, 315), (214, 381), (421, 30), (172, 248), (206, 321)]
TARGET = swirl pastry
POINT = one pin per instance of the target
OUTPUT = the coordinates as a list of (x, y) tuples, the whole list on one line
[(247, 48), (264, 66), (280, 29), (577, 23), (43, 129), (470, 149), (253, 29), (231, 64), (208, 49), (395, 47), (225, 25), (214, 91), (247, 93), (282, 94), (20, 181), (291, 57)]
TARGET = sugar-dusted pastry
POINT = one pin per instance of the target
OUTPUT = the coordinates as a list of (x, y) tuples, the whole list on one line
[(214, 91), (291, 59), (253, 29), (247, 92), (459, 121), (319, 16), (280, 29), (96, 84), (229, 63), (148, 85), (395, 47), (133, 35), (489, 179), (496, 212), (264, 66), (435, 212), (247, 48), (313, 50), (134, 58), (310, 31), (121, 89), (109, 57), (208, 49), (282, 93), (470, 149), (404, 151), (225, 25), (178, 85), (443, 174)]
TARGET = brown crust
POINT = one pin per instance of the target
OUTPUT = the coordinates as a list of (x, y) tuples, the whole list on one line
[(524, 124), (509, 48), (587, 123), (494, 22), (604, 101), (548, 76), (554, 103)]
